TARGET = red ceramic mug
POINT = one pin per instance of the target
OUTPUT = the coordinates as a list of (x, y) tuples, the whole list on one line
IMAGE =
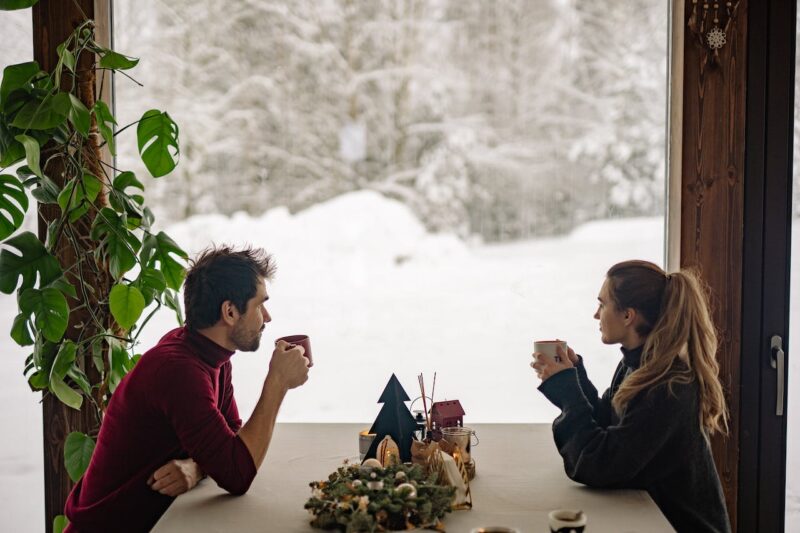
[(299, 340)]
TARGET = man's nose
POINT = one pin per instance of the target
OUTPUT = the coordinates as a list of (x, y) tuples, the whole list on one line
[(265, 314)]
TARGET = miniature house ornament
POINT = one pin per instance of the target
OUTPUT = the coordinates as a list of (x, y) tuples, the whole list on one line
[(447, 414)]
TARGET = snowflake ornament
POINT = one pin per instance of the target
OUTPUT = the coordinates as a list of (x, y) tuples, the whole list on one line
[(716, 38)]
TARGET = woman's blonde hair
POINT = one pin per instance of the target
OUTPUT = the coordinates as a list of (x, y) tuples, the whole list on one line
[(681, 340)]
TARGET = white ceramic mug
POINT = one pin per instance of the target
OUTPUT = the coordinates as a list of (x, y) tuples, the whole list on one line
[(549, 348)]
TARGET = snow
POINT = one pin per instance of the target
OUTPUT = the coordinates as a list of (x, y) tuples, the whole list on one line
[(378, 295)]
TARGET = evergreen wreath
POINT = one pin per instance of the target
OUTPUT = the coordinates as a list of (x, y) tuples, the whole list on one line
[(356, 498)]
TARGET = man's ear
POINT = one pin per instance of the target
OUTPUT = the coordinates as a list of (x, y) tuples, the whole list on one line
[(228, 313)]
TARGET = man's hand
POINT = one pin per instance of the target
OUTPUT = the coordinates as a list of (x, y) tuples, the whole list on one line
[(175, 477), (545, 366), (288, 368)]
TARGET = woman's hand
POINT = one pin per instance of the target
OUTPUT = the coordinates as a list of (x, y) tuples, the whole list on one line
[(545, 366)]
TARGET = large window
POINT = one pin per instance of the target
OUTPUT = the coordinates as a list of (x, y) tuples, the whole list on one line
[(793, 406), (441, 182), (21, 478)]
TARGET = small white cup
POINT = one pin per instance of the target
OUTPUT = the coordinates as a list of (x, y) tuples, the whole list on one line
[(567, 521), (549, 348)]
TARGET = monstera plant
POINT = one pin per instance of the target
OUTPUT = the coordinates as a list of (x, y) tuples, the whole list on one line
[(82, 290)]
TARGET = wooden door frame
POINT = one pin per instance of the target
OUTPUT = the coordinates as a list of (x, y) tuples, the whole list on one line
[(767, 255)]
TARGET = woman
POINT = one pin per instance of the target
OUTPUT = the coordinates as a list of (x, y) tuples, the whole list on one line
[(650, 430)]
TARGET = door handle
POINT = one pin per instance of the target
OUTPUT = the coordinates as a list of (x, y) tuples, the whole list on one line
[(777, 361)]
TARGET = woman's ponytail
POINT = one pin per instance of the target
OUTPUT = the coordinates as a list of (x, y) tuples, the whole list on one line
[(680, 347)]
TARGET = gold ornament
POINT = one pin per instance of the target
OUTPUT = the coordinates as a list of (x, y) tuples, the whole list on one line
[(388, 453)]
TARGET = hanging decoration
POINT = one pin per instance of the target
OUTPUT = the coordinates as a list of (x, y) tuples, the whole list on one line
[(710, 23)]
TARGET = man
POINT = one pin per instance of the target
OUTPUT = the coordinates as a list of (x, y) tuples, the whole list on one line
[(173, 418)]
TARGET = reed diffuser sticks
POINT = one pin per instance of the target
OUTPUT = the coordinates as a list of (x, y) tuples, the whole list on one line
[(424, 401)]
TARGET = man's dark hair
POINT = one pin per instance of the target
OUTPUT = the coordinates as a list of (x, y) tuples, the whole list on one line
[(220, 273)]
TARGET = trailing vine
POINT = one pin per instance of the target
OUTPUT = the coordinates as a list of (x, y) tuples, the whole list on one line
[(83, 292)]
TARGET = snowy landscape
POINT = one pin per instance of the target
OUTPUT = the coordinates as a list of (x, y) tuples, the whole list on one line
[(440, 182), (379, 295)]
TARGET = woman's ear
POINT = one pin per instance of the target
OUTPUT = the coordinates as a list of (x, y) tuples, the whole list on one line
[(629, 317)]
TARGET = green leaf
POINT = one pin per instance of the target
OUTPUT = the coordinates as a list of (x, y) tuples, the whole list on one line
[(44, 353), (92, 186), (79, 115), (64, 359), (46, 190), (105, 123), (76, 195), (117, 243), (13, 205), (64, 393), (80, 379), (20, 330), (60, 522), (50, 309), (31, 153), (161, 250), (44, 114), (78, 450), (71, 196), (158, 142), (11, 5), (16, 77), (126, 303), (127, 179), (152, 283), (66, 56), (119, 198), (117, 61), (171, 301), (38, 380), (148, 219), (32, 260), (120, 364), (63, 285), (11, 150)]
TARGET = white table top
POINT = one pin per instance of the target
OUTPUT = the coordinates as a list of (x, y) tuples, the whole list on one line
[(520, 477)]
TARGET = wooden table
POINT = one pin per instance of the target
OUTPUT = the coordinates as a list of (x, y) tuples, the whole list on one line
[(520, 477)]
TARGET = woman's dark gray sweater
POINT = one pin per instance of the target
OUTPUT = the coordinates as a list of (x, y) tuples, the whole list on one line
[(657, 444)]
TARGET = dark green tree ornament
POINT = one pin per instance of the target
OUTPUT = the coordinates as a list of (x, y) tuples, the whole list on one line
[(395, 420)]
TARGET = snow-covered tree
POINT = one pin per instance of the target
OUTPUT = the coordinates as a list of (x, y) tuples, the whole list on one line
[(505, 118)]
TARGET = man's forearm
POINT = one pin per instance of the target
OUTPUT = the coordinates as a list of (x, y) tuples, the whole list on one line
[(257, 431)]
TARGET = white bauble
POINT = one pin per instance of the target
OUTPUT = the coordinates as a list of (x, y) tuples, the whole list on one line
[(408, 488)]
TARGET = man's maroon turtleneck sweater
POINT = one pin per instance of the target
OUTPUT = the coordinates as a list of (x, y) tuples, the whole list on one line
[(177, 402)]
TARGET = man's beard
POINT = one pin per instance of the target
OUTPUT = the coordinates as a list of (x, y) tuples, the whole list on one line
[(244, 340)]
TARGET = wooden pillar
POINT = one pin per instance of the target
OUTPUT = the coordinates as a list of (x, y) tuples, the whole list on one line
[(712, 196), (53, 22)]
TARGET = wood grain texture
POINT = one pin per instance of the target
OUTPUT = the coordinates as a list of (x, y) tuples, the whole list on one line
[(713, 205), (53, 21)]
